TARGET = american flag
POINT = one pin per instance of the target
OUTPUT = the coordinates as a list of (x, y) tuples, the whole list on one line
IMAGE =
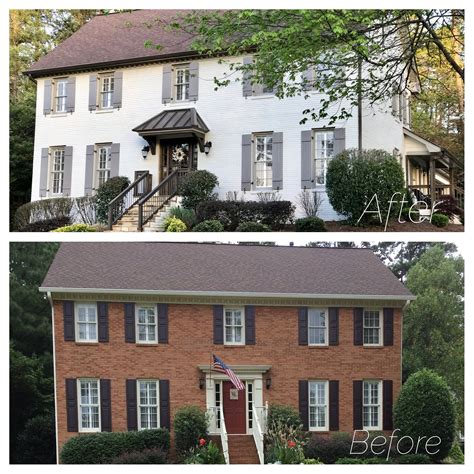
[(219, 366)]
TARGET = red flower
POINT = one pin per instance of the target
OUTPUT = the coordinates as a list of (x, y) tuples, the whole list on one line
[(291, 444), (202, 442)]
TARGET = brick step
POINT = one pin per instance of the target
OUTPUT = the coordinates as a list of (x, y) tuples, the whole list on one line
[(242, 450)]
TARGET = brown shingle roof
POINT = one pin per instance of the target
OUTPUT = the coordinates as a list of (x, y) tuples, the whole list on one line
[(115, 39), (188, 267)]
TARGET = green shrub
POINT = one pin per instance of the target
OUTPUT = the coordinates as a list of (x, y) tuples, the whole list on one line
[(284, 414), (196, 187), (190, 425), (349, 461), (205, 453), (43, 210), (354, 460), (37, 441), (310, 224), (252, 227), (173, 224), (46, 225), (209, 226), (425, 407), (456, 456), (188, 216), (103, 448), (412, 459), (106, 193), (439, 220), (147, 456), (354, 176), (329, 449), (312, 461), (413, 215), (76, 228)]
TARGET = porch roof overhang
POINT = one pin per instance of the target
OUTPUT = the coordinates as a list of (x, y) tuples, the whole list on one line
[(239, 369), (175, 123)]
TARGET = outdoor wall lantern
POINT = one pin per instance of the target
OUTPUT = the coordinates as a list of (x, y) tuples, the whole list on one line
[(145, 151), (207, 147), (202, 382), (268, 383)]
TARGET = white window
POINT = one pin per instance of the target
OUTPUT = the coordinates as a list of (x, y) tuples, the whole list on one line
[(372, 402), (106, 91), (89, 405), (60, 95), (57, 171), (323, 152), (317, 327), (181, 83), (103, 153), (263, 155), (146, 324), (372, 328), (86, 322), (148, 404), (318, 405), (234, 326)]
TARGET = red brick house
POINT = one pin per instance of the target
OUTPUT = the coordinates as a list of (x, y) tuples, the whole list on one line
[(135, 325)]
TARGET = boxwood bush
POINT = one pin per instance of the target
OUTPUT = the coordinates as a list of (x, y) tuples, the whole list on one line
[(106, 192), (252, 227), (190, 425), (211, 225), (103, 448), (310, 224), (354, 176), (439, 220), (196, 187)]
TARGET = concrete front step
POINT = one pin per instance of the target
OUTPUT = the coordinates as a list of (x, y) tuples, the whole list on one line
[(242, 449)]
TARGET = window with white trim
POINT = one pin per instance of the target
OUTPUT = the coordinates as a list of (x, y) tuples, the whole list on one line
[(88, 405), (102, 167), (106, 91), (372, 403), (317, 327), (181, 82), (148, 397), (372, 328), (146, 324), (234, 329), (86, 322), (263, 160), (323, 153), (60, 95), (318, 405), (57, 170)]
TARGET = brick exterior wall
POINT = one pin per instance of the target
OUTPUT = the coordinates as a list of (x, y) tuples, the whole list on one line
[(190, 344)]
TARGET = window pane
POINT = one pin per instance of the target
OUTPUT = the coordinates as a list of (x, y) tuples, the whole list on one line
[(238, 334), (228, 334)]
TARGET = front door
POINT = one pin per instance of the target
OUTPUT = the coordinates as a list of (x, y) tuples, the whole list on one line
[(234, 409), (177, 154)]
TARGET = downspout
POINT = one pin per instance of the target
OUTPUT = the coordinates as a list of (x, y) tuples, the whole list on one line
[(405, 306), (359, 105)]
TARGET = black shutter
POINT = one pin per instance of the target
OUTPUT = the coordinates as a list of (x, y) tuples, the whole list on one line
[(333, 326), (165, 404), (387, 405), (218, 324), (105, 406), (303, 403), (68, 316), (129, 313), (357, 404), (358, 326), (250, 324), (334, 405), (303, 326), (131, 390), (103, 320), (162, 323), (388, 326), (71, 405)]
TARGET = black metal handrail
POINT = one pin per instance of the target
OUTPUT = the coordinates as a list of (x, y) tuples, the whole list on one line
[(151, 203), (128, 198)]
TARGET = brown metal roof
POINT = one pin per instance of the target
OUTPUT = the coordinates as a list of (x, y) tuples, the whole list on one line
[(189, 267), (114, 39), (177, 119)]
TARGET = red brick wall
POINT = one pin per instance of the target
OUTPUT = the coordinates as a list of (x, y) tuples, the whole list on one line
[(190, 344)]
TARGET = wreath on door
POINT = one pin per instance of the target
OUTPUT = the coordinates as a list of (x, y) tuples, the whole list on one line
[(179, 155)]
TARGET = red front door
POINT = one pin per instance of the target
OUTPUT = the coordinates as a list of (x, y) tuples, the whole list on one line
[(234, 409)]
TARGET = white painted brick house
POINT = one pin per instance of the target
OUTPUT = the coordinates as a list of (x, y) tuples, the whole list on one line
[(102, 83)]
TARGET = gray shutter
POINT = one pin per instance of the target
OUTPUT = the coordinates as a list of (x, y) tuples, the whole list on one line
[(387, 417), (71, 405), (114, 160), (307, 180), (249, 324), (71, 94), (358, 326), (339, 140), (162, 323), (44, 172), (166, 85), (303, 403), (131, 393), (388, 326), (357, 404), (117, 99), (277, 160), (303, 326), (67, 171), (47, 100), (68, 319), (93, 92), (194, 80), (334, 405), (333, 326), (246, 163), (89, 178), (307, 79), (247, 79), (105, 406), (129, 320), (218, 311), (165, 404), (103, 321)]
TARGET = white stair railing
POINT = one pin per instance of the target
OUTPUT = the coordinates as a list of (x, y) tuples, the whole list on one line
[(224, 438), (257, 431)]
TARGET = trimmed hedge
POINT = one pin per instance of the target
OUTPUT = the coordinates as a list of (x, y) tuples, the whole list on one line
[(147, 456), (439, 220), (103, 448), (46, 225), (252, 227), (310, 224), (274, 214), (43, 210), (209, 226), (329, 449), (196, 187)]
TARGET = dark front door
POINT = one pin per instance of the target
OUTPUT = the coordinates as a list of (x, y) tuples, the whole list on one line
[(234, 409), (177, 154)]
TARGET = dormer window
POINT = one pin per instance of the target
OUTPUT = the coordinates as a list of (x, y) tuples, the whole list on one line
[(181, 83), (106, 91)]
